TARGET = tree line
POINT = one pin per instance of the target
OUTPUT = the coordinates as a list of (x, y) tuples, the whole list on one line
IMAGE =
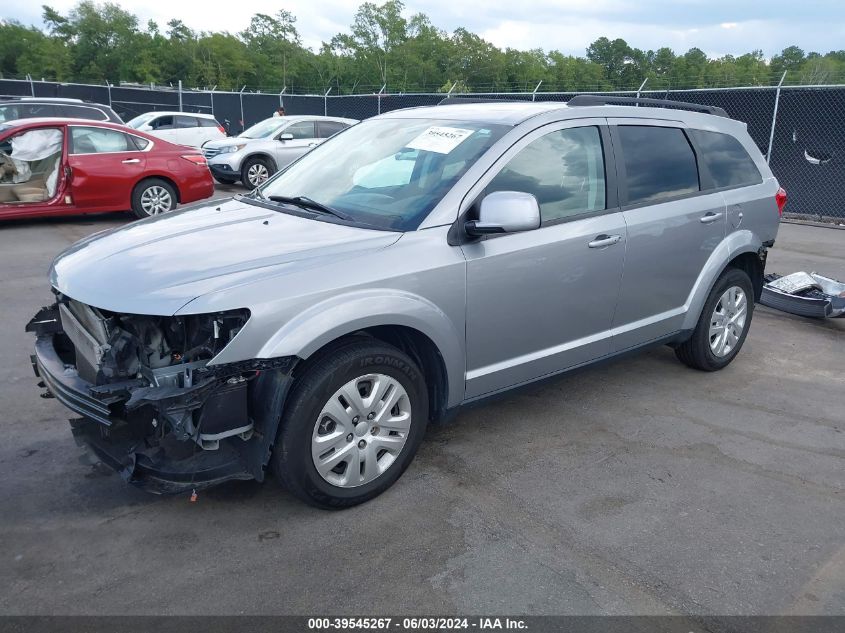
[(384, 47)]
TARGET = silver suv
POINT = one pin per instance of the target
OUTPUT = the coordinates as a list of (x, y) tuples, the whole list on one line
[(417, 262), (261, 150)]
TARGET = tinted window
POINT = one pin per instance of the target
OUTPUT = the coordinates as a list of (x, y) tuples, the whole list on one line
[(162, 123), (726, 159), (208, 123), (564, 170), (28, 111), (325, 129), (186, 121), (303, 129), (81, 112), (94, 140), (659, 163)]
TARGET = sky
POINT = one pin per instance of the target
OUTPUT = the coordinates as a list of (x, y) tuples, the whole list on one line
[(718, 27)]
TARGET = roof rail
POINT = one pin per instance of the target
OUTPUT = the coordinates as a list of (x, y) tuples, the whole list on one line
[(594, 100), (454, 100)]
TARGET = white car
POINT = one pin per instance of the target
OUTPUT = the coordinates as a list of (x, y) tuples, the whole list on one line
[(183, 128), (266, 147)]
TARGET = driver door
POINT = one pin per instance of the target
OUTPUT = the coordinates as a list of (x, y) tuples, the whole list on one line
[(542, 301), (288, 150)]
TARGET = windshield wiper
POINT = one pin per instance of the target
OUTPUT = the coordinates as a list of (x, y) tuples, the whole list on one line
[(307, 203)]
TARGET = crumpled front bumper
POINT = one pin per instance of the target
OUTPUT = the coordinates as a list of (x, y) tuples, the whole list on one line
[(165, 465)]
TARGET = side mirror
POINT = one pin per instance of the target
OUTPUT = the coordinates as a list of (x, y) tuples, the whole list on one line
[(505, 212), (287, 136), (146, 127)]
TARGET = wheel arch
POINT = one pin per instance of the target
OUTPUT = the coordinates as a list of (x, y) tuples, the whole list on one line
[(156, 176), (740, 249), (260, 154), (401, 319)]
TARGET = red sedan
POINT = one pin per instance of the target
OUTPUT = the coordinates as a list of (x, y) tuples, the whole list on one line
[(69, 166)]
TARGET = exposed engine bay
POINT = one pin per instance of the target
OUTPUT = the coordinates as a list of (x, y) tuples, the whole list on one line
[(152, 405)]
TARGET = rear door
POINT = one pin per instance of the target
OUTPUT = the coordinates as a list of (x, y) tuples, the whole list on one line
[(326, 129), (164, 127), (542, 301), (34, 182), (188, 131), (673, 227), (104, 164)]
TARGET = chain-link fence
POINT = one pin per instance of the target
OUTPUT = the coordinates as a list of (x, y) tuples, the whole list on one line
[(801, 129)]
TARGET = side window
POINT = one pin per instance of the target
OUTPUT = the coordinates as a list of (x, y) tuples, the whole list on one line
[(726, 159), (140, 143), (301, 130), (185, 121), (95, 140), (659, 163), (325, 129), (81, 112), (563, 169), (208, 122), (162, 123)]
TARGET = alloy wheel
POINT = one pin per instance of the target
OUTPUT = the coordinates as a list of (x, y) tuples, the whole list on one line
[(257, 174), (156, 200)]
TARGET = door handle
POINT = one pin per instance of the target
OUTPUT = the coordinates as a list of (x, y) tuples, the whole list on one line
[(604, 240), (130, 161), (709, 218)]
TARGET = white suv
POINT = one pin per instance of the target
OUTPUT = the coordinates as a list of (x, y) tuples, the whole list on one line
[(183, 128), (266, 147)]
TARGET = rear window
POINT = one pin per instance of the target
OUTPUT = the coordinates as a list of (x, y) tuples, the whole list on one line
[(726, 159), (186, 121), (82, 112), (325, 129), (659, 163)]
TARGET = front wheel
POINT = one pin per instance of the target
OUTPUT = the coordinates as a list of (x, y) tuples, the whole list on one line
[(352, 425), (723, 325), (153, 197), (256, 171)]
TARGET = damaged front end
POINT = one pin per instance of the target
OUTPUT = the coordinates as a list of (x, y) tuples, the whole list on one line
[(152, 406)]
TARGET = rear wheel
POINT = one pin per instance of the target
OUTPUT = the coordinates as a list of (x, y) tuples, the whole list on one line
[(723, 324), (153, 197), (352, 425), (256, 171)]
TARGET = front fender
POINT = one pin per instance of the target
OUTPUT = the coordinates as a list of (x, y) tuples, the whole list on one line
[(344, 314), (733, 245)]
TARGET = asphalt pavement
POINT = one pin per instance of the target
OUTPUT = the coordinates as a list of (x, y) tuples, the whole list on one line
[(637, 487)]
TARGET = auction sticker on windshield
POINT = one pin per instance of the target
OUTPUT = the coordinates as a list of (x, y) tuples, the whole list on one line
[(440, 139)]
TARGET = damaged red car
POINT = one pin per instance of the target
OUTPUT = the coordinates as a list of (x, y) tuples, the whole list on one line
[(55, 166)]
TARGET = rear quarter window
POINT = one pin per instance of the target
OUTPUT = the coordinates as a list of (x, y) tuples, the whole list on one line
[(726, 159), (208, 122)]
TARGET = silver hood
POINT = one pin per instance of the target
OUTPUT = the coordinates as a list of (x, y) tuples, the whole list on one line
[(156, 266)]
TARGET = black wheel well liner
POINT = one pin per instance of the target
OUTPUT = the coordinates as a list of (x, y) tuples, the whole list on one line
[(422, 350), (753, 265), (263, 156)]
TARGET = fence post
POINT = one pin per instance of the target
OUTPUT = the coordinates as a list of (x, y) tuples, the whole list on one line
[(774, 118), (31, 84), (536, 88), (180, 96), (639, 90), (108, 85), (281, 101), (381, 90), (211, 92), (326, 102), (241, 97)]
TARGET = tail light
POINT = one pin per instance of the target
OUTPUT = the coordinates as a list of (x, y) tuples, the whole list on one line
[(196, 159), (222, 129), (780, 199)]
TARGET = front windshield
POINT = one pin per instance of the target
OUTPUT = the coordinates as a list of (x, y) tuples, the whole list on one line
[(140, 120), (387, 173), (264, 129)]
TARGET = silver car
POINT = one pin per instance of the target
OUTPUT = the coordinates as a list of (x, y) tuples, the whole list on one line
[(415, 263), (261, 150)]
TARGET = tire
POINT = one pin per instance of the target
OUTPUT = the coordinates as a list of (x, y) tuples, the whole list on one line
[(711, 351), (225, 181), (256, 171), (153, 196), (316, 426)]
